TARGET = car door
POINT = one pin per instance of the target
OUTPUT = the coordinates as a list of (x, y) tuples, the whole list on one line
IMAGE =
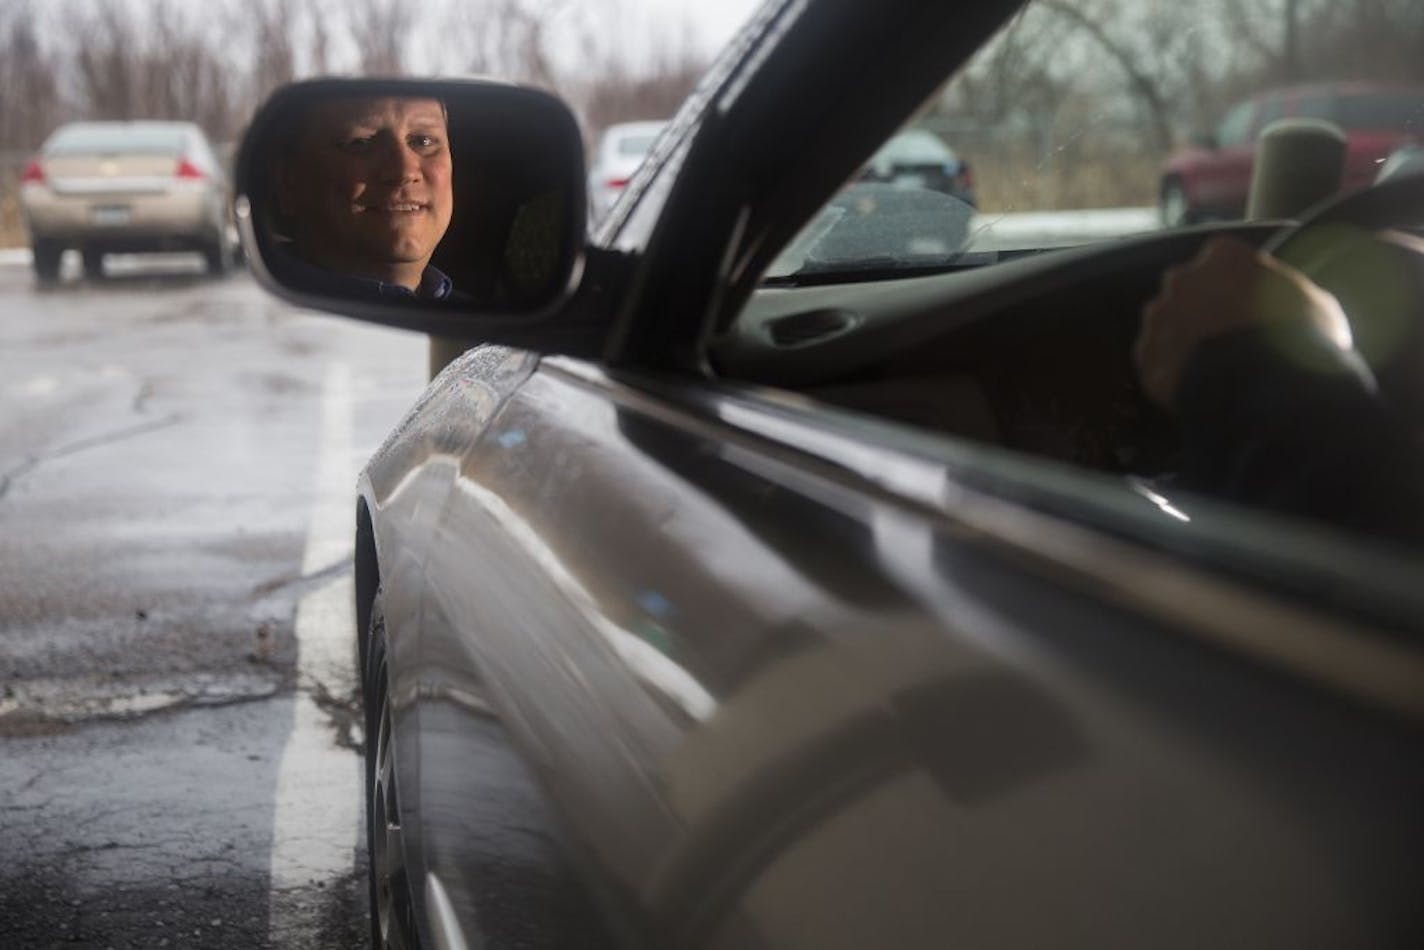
[(798, 677), (796, 682)]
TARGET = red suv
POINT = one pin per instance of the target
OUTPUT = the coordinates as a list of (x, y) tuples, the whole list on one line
[(1212, 177)]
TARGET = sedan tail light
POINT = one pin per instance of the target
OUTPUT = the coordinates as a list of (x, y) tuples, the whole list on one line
[(965, 178), (187, 169), (33, 174), (617, 182)]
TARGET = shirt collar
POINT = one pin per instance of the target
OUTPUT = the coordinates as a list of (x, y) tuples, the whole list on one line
[(434, 284)]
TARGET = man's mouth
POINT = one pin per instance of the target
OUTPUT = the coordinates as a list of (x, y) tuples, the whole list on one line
[(395, 207)]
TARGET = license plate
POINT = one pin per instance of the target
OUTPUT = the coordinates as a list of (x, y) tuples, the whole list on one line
[(110, 214)]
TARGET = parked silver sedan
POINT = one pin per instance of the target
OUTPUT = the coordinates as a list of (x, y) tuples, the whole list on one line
[(110, 187)]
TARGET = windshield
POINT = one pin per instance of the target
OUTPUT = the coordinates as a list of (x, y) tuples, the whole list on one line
[(1090, 120)]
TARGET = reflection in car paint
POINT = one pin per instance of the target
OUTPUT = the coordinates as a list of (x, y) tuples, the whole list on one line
[(511, 439), (654, 603), (1144, 489), (921, 480), (654, 669)]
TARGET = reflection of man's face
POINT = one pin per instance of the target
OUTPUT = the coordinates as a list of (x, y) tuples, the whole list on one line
[(368, 191)]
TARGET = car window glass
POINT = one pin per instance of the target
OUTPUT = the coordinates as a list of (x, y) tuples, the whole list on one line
[(999, 161), (635, 145), (94, 139), (1269, 111), (1400, 112), (1043, 139), (1315, 105), (1011, 175), (1235, 128), (914, 146)]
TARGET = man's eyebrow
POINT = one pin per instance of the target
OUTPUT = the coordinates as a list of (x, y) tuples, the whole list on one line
[(341, 123)]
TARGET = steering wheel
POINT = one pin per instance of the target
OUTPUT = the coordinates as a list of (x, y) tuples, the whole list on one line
[(1381, 291), (1398, 202)]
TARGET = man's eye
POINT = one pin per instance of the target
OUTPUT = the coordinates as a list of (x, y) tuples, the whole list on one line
[(424, 142), (356, 143)]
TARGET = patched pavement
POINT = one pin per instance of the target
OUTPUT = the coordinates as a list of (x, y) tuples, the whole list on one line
[(166, 450)]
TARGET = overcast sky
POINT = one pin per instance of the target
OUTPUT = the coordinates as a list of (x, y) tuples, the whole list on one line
[(644, 29), (714, 20)]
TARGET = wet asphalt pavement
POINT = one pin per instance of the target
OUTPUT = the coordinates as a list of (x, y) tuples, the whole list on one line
[(179, 738)]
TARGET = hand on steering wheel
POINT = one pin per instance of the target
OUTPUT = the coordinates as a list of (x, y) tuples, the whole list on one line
[(1230, 285)]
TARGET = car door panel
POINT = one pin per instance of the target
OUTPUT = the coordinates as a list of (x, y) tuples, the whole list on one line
[(780, 695)]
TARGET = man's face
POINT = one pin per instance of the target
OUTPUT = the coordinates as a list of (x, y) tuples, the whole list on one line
[(368, 190)]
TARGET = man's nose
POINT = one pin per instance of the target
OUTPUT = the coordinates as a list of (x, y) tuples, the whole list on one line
[(399, 162)]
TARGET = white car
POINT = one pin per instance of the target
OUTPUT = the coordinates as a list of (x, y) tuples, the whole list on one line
[(619, 152)]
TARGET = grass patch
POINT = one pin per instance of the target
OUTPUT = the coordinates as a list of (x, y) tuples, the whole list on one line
[(1011, 180), (12, 229)]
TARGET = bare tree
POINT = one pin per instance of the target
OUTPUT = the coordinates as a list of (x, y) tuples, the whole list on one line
[(105, 76), (320, 39), (620, 95), (275, 57), (612, 86), (381, 30), (1142, 80), (29, 94), (510, 39)]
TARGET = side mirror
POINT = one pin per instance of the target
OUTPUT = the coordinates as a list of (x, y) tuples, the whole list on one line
[(452, 207)]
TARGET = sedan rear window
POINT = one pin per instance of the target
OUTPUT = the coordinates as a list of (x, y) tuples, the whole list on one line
[(95, 139), (913, 146)]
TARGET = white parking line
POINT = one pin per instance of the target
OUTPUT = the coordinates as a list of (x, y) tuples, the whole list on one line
[(317, 820)]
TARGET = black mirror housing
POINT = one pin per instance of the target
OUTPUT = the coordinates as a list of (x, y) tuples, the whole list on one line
[(345, 189)]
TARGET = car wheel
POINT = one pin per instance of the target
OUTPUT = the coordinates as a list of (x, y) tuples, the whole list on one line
[(217, 258), (93, 263), (392, 910), (1175, 207), (45, 257)]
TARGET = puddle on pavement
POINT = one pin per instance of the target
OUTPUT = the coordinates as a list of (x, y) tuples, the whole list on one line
[(39, 705)]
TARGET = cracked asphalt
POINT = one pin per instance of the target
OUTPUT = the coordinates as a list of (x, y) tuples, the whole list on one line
[(159, 436)]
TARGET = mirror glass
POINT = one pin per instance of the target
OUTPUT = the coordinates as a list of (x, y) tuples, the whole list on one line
[(457, 195)]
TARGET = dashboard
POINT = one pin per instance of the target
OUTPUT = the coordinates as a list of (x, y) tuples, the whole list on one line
[(1032, 354)]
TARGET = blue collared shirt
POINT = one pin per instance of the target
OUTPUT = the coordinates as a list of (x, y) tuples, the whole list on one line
[(434, 284)]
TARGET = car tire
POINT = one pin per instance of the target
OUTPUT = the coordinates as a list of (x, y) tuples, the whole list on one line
[(392, 906), (1174, 206), (46, 256), (217, 257), (93, 263)]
